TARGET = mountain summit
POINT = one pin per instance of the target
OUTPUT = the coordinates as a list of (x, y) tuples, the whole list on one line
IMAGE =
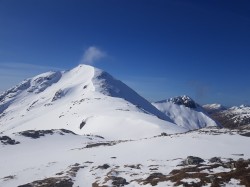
[(185, 112), (84, 100)]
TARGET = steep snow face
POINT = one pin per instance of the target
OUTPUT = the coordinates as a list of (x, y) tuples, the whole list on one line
[(84, 100), (185, 112), (108, 85)]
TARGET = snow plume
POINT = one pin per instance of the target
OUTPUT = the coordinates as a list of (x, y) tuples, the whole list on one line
[(92, 55)]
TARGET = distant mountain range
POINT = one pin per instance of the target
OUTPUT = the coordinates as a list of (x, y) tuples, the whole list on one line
[(233, 117)]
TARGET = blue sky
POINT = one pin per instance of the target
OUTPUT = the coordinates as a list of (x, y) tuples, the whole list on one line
[(161, 48)]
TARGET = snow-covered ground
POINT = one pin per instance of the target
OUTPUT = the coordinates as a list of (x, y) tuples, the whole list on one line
[(97, 161)]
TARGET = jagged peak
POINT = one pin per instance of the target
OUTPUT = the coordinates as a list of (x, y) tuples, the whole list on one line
[(181, 100)]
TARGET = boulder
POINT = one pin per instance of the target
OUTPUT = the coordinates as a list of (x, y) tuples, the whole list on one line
[(215, 159), (119, 181), (192, 160)]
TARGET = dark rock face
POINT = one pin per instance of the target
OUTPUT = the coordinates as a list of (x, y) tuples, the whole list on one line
[(8, 141), (155, 175), (192, 160), (119, 181), (182, 100), (51, 182), (104, 166), (35, 134), (215, 159), (67, 131), (246, 134), (135, 166), (39, 133), (82, 124), (59, 94), (97, 145)]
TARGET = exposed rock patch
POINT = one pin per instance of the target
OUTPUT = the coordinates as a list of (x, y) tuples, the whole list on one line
[(104, 166), (191, 160), (119, 181), (51, 182), (8, 141), (39, 133)]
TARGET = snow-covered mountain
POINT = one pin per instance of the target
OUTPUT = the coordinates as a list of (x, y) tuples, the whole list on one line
[(233, 117), (85, 100), (185, 112), (84, 128)]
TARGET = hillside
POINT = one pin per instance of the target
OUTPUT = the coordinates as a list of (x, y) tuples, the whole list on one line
[(185, 112)]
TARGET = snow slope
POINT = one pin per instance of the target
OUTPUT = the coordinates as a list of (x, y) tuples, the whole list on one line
[(185, 112), (61, 155), (85, 100)]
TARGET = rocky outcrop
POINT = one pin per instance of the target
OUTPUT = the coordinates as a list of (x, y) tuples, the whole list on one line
[(8, 141), (182, 100)]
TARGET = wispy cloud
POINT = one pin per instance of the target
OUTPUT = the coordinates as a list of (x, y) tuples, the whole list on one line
[(92, 55), (26, 66), (13, 73)]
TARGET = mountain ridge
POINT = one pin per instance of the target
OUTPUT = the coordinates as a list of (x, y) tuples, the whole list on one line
[(81, 100)]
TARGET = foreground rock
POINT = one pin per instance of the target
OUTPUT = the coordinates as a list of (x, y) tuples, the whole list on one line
[(39, 133), (8, 141), (50, 182), (192, 160)]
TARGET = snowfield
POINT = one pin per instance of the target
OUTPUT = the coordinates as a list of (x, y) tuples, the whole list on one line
[(96, 161), (84, 128)]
